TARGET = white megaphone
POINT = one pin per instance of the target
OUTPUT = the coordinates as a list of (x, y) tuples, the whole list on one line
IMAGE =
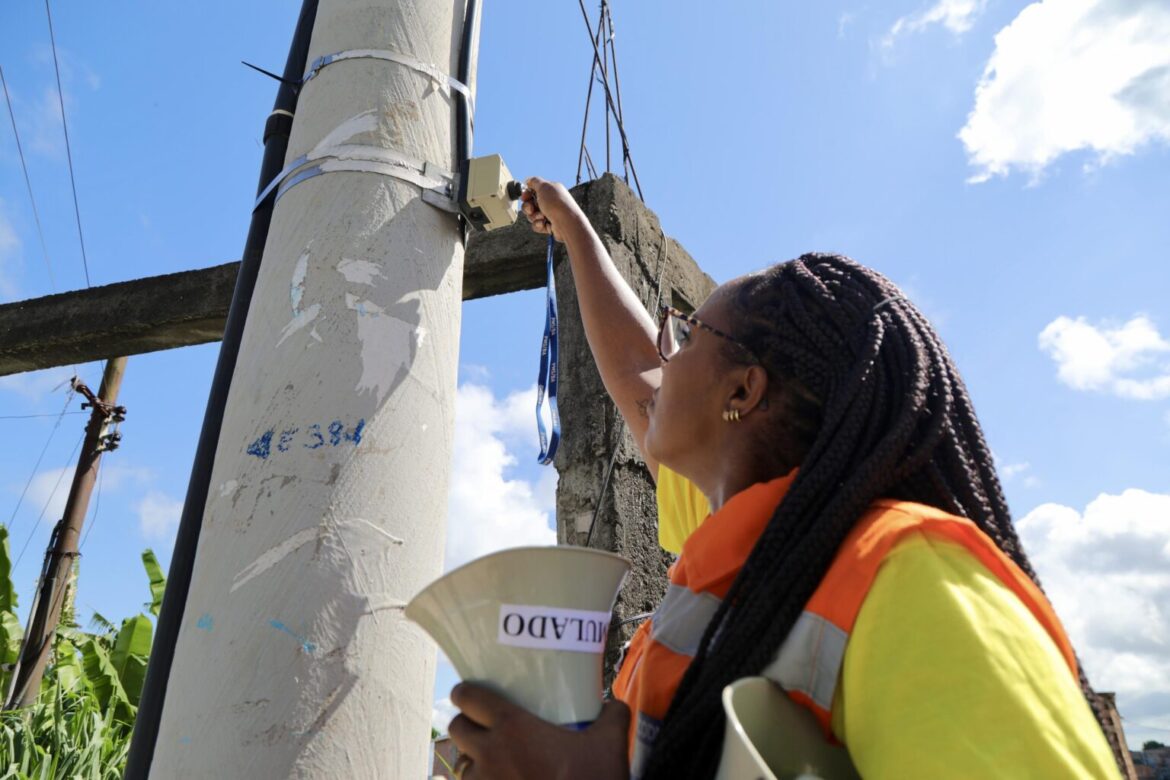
[(771, 737), (531, 623)]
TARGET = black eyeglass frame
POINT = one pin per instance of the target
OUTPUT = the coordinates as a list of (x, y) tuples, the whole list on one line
[(665, 312)]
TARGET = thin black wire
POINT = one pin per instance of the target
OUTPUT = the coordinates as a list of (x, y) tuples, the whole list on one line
[(32, 416), (37, 465), (28, 182), (49, 500), (68, 151), (97, 504), (1144, 725)]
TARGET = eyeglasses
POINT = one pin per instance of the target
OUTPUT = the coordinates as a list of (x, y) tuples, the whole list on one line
[(674, 330)]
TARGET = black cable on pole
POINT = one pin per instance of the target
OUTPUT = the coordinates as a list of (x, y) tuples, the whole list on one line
[(464, 121), (68, 152), (276, 134), (28, 182)]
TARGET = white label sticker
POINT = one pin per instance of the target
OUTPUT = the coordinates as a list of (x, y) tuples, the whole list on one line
[(553, 628)]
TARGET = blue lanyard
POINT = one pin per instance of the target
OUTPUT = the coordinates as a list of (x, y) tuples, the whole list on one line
[(546, 381)]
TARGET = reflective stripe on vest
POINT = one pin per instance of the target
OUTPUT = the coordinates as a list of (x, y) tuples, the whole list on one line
[(681, 619)]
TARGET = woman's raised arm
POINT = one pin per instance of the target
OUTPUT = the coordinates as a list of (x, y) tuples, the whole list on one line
[(620, 331)]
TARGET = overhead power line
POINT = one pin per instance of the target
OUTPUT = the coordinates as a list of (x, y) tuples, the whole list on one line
[(28, 182), (68, 151)]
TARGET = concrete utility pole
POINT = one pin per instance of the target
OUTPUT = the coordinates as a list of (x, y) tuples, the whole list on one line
[(328, 494), (63, 550)]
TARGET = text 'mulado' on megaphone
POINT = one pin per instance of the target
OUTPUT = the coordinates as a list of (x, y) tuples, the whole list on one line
[(529, 622)]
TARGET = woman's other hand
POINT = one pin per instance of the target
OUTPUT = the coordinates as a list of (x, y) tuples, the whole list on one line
[(549, 207), (502, 741)]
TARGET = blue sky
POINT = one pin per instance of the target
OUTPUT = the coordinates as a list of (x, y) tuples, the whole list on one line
[(1006, 162)]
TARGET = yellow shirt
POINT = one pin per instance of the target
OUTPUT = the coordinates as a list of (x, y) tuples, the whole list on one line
[(681, 507), (946, 673)]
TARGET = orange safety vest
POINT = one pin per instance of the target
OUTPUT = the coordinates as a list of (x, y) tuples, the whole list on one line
[(808, 663)]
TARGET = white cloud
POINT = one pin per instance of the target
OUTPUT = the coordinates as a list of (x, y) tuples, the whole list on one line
[(49, 490), (158, 515), (1010, 470), (47, 137), (843, 21), (1107, 573), (1072, 75), (487, 509), (958, 16), (1125, 360)]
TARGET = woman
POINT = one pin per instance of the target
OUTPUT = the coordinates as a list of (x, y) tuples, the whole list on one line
[(859, 549)]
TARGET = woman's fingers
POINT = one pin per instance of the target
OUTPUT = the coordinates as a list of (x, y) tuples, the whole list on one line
[(483, 705), (467, 735)]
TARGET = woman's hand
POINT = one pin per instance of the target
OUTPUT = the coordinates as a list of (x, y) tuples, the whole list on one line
[(550, 208), (501, 741)]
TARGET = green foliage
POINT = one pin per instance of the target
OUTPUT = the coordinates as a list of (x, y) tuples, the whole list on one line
[(158, 580), (81, 723), (1152, 745), (7, 590)]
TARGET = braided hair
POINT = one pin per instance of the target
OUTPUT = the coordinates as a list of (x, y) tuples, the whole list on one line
[(870, 406)]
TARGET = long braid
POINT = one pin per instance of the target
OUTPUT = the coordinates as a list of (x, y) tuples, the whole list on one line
[(873, 402)]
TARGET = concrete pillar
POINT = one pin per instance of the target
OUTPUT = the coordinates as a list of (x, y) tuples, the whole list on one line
[(328, 495), (627, 523)]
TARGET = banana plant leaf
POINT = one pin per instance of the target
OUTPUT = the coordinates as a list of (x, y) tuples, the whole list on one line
[(102, 678), (158, 580), (11, 632), (7, 590), (130, 654)]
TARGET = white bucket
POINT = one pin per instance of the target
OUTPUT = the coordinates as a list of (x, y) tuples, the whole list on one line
[(531, 623), (771, 737)]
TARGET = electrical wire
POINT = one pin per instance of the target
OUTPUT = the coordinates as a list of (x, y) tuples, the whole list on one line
[(97, 505), (28, 182), (48, 501), (68, 151), (37, 465), (32, 416)]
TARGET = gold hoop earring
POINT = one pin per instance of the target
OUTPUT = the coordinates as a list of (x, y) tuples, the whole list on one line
[(731, 415)]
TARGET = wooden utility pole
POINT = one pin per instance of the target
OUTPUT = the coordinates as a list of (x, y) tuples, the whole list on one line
[(328, 494), (63, 548)]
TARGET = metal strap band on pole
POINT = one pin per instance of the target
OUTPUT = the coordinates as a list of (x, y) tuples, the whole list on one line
[(547, 379), (446, 83), (356, 157)]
